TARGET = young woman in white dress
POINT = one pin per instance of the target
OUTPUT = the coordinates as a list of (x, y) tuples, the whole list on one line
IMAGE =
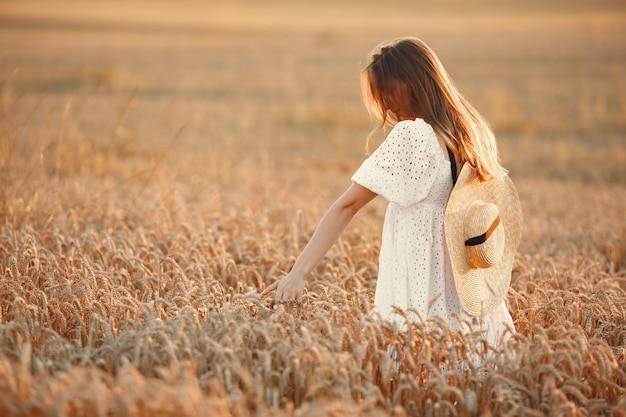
[(407, 89)]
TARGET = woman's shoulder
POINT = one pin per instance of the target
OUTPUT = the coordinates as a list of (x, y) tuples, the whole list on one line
[(415, 125), (417, 131)]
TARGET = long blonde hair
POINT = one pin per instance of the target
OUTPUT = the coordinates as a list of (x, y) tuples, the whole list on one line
[(409, 64)]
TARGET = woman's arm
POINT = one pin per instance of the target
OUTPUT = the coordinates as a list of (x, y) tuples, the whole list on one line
[(328, 231)]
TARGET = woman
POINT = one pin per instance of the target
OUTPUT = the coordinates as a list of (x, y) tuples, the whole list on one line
[(433, 129)]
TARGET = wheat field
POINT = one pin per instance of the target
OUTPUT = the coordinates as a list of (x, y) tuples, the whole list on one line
[(161, 163)]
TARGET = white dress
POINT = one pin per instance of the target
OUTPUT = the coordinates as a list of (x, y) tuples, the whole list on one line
[(409, 169)]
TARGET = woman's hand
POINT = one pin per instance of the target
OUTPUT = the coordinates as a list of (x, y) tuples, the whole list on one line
[(288, 289)]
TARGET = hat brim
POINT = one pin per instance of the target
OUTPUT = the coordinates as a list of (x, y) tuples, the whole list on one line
[(481, 290)]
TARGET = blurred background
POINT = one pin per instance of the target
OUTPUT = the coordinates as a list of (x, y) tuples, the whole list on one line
[(171, 81)]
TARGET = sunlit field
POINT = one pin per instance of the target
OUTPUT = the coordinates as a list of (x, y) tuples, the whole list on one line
[(162, 162)]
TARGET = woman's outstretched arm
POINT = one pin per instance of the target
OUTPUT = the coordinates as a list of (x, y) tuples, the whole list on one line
[(328, 231)]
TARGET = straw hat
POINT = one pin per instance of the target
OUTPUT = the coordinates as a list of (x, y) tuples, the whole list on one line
[(483, 227)]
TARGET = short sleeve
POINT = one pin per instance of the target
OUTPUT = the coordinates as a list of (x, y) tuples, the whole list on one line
[(404, 167)]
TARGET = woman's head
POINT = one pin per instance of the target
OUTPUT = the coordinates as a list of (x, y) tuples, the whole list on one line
[(404, 79)]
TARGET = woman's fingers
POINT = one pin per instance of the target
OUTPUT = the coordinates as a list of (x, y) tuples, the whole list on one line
[(285, 294), (269, 289), (287, 290)]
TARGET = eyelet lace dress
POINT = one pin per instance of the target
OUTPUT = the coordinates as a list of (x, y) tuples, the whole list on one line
[(410, 171)]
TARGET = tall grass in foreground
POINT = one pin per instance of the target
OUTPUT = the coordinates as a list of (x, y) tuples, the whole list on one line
[(139, 298)]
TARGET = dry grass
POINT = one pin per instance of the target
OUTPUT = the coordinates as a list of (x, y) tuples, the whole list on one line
[(159, 169)]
